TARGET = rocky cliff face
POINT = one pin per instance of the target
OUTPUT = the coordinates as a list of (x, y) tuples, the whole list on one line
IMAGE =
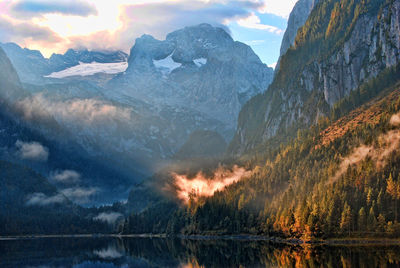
[(10, 86), (297, 18), (197, 67), (341, 46)]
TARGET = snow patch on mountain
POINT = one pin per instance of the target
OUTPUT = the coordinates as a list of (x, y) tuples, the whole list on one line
[(200, 62), (86, 69), (167, 65)]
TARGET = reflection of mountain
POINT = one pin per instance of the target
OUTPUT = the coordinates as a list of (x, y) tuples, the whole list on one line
[(137, 252)]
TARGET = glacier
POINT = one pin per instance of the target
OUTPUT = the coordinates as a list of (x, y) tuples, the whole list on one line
[(86, 69)]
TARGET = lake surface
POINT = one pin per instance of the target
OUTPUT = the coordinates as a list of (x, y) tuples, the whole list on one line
[(158, 252)]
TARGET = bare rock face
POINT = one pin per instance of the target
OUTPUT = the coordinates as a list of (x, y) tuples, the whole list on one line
[(199, 67), (373, 45), (306, 87), (297, 18), (10, 86)]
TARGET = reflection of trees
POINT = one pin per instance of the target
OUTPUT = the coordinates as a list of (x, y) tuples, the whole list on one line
[(157, 252), (229, 253)]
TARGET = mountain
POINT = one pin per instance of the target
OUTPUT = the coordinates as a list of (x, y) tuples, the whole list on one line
[(341, 46), (10, 87), (339, 178), (297, 18), (197, 79), (334, 172), (31, 66), (193, 82), (30, 136), (73, 57), (199, 67)]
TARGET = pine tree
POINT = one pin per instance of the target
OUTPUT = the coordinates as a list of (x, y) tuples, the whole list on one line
[(345, 220)]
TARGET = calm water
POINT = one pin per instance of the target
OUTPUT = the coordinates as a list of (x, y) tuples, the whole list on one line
[(134, 252)]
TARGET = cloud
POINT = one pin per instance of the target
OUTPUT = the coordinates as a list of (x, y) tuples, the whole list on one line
[(255, 42), (254, 22), (25, 32), (40, 199), (388, 143), (395, 120), (109, 217), (65, 7), (280, 8), (32, 151), (66, 176), (79, 195), (84, 111), (109, 253), (203, 186), (160, 18), (116, 24)]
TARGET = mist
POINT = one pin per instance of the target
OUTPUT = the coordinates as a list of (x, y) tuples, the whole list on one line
[(387, 143)]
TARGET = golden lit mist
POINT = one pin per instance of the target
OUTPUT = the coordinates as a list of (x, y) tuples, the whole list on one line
[(388, 143), (204, 186)]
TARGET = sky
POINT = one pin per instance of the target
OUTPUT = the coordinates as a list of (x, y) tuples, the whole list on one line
[(53, 26)]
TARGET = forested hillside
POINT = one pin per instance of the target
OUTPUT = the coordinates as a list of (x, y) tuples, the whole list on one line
[(342, 45), (338, 178)]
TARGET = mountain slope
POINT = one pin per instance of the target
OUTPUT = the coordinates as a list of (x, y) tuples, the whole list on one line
[(342, 45), (10, 87), (41, 135), (29, 204), (337, 179)]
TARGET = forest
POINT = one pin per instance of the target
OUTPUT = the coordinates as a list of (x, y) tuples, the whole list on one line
[(340, 178)]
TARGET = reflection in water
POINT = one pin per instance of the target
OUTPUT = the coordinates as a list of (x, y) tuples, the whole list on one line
[(143, 252)]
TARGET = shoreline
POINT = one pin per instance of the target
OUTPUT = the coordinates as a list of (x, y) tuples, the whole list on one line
[(366, 241)]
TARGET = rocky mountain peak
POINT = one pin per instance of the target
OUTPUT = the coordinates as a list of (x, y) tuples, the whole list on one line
[(200, 67)]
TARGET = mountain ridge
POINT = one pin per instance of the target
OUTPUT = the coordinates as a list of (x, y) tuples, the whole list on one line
[(310, 81)]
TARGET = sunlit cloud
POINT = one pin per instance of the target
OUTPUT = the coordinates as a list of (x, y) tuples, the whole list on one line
[(254, 22), (55, 26), (281, 8), (273, 65), (25, 32)]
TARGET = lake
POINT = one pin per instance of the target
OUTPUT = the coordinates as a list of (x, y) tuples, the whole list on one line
[(157, 252)]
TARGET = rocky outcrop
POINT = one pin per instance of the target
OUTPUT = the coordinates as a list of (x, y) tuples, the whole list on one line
[(10, 86), (297, 18), (198, 67), (374, 44), (310, 80)]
